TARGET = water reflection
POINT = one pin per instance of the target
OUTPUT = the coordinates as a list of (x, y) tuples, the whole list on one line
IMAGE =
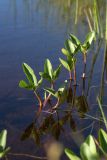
[(63, 12), (53, 14), (58, 121)]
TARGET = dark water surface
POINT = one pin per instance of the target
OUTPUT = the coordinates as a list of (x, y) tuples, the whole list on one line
[(31, 31)]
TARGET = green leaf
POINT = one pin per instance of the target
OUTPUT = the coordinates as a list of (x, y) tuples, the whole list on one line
[(86, 153), (48, 68), (40, 81), (30, 74), (90, 37), (51, 91), (2, 154), (103, 140), (70, 46), (65, 64), (91, 144), (65, 52), (71, 155), (102, 112), (75, 40), (57, 72), (45, 76), (23, 84), (71, 62), (61, 89), (3, 137)]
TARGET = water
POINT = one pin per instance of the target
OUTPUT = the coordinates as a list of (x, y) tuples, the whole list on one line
[(31, 31)]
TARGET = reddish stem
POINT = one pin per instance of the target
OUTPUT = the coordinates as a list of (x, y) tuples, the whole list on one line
[(75, 76), (40, 101), (49, 95), (84, 71)]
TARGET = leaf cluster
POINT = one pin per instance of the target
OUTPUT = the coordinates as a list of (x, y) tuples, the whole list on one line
[(88, 149)]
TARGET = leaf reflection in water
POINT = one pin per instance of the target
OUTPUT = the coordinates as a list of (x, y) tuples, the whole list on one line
[(58, 122)]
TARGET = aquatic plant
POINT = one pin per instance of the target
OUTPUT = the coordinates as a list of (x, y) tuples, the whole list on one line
[(50, 75), (60, 94), (83, 47), (70, 51), (72, 48), (3, 139), (32, 83), (88, 149)]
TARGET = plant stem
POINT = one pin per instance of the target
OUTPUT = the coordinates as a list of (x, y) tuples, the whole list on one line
[(83, 86), (70, 75), (39, 99), (57, 104), (84, 71), (75, 76), (49, 95), (26, 155)]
